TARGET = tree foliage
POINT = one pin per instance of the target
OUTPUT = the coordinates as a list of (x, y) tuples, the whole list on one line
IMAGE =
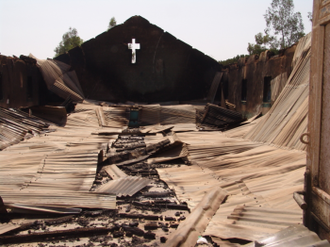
[(310, 16), (284, 22), (283, 28), (231, 60), (69, 40), (112, 23), (263, 43)]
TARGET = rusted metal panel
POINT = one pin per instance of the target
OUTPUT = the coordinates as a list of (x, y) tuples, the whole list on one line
[(291, 236), (114, 172), (125, 186), (189, 230)]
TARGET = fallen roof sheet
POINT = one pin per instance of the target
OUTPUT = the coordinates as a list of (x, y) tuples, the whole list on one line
[(60, 164), (219, 116), (190, 183), (286, 121), (252, 222), (59, 198), (60, 80), (189, 230), (15, 124), (292, 236), (114, 172), (125, 186), (175, 114)]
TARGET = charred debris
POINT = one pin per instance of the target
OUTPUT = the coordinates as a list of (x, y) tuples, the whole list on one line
[(145, 206), (82, 165)]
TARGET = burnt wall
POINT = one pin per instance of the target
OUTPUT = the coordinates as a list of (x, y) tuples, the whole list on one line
[(166, 68), (252, 72), (21, 82)]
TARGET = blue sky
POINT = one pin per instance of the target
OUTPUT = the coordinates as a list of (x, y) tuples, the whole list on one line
[(219, 28)]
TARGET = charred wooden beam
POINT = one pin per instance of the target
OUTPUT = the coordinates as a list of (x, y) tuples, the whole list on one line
[(53, 235), (139, 216)]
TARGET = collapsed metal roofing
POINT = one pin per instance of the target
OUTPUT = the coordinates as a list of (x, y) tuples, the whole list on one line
[(232, 187)]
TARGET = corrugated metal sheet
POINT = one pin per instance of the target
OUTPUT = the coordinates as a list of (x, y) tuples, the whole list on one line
[(259, 178), (125, 186), (277, 85), (252, 222), (56, 168), (15, 124), (114, 172), (287, 119), (219, 116), (59, 80), (291, 236), (175, 114), (115, 117), (189, 230), (190, 183), (214, 86), (30, 200), (175, 150), (149, 114)]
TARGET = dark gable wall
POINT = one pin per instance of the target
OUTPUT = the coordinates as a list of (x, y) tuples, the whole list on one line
[(166, 68)]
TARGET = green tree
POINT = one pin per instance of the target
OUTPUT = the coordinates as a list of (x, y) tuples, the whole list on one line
[(231, 60), (69, 41), (310, 16), (112, 23), (285, 25), (263, 43)]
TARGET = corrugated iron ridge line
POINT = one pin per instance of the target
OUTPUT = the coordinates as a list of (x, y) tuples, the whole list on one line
[(124, 186)]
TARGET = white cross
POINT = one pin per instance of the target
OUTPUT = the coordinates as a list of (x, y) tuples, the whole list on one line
[(133, 46)]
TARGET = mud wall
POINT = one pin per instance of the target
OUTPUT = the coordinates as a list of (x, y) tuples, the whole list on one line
[(21, 82), (250, 74)]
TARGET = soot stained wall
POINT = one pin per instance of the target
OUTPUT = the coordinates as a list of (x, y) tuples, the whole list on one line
[(253, 70), (166, 68)]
